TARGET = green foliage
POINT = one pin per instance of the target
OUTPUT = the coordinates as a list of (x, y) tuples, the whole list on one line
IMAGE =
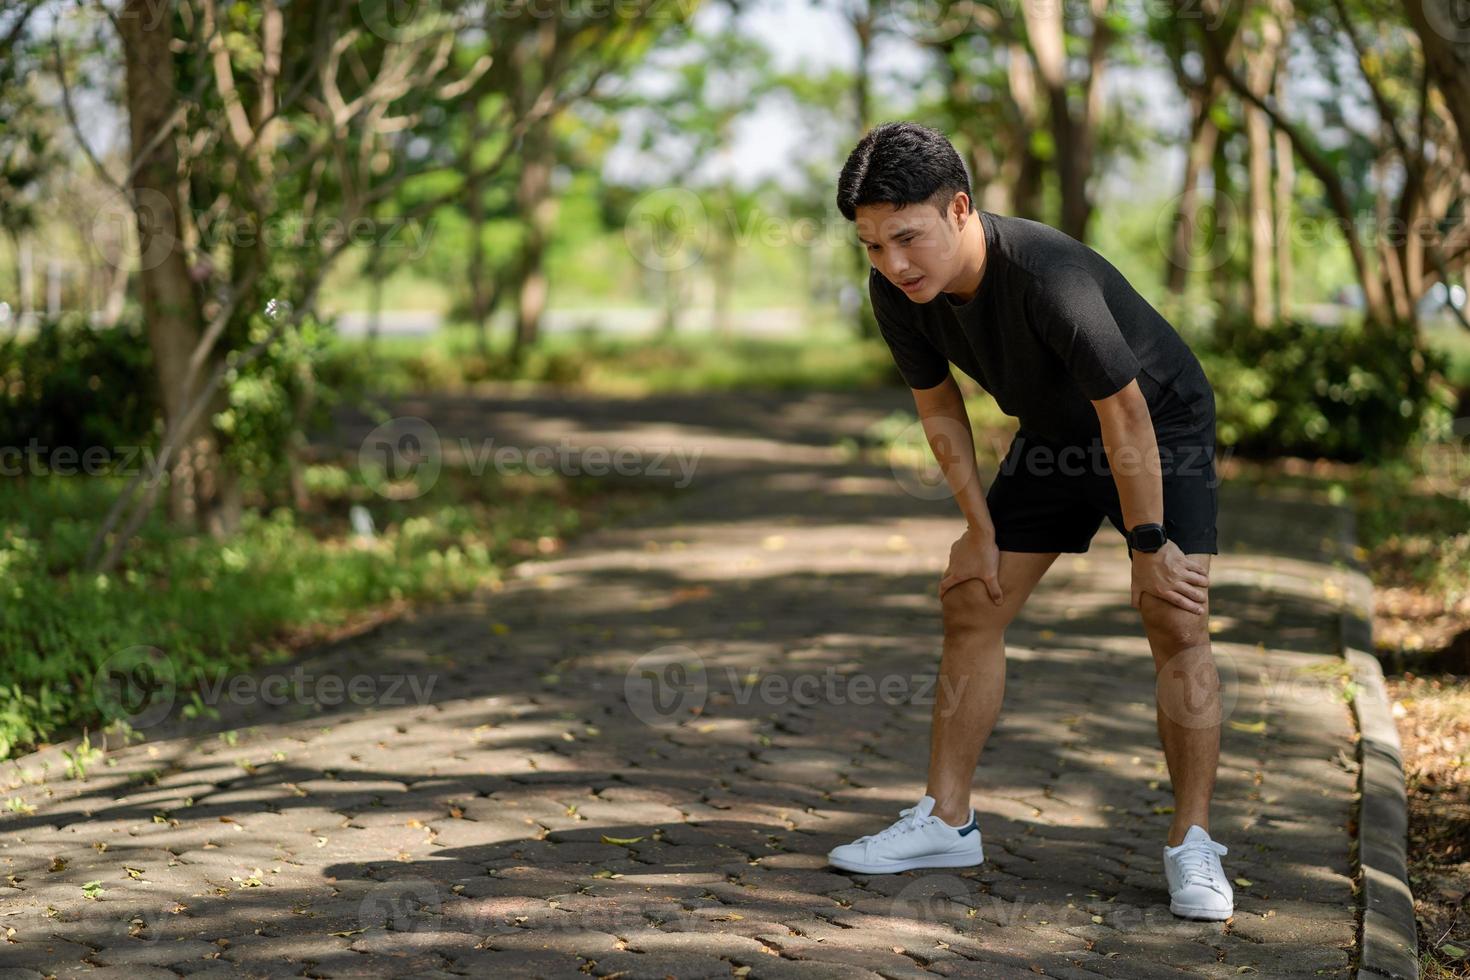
[(52, 385), (213, 607), (80, 759), (1345, 393), (267, 396), (1418, 534), (627, 365)]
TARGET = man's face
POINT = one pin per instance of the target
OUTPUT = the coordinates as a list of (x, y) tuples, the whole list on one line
[(915, 247)]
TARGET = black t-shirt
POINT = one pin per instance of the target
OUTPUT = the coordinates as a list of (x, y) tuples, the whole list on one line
[(1053, 326)]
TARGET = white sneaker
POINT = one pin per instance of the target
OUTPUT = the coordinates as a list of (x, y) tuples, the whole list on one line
[(917, 840), (1198, 888)]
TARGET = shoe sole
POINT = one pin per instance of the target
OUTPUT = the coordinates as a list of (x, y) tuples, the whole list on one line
[(909, 864), (1192, 912)]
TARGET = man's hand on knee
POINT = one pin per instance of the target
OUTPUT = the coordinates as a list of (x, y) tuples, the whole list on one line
[(973, 557), (1171, 575)]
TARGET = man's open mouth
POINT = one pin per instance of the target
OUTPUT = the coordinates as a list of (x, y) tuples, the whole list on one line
[(911, 283)]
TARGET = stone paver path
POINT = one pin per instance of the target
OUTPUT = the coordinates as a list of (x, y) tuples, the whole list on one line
[(632, 759)]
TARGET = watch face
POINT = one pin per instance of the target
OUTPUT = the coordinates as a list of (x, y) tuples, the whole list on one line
[(1148, 538)]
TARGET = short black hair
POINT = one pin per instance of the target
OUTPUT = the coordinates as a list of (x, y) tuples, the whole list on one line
[(901, 163)]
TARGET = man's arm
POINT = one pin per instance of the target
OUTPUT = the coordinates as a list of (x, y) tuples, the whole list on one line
[(1133, 455), (947, 428)]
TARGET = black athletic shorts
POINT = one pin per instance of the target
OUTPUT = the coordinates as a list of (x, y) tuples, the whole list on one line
[(1052, 496)]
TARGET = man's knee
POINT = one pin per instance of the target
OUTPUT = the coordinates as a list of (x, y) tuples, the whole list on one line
[(1171, 627), (968, 609)]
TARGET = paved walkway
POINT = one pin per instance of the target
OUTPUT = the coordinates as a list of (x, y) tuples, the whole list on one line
[(632, 759)]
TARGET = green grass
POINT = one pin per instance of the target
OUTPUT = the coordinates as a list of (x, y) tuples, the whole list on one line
[(1413, 515), (449, 360), (285, 580), (1414, 529)]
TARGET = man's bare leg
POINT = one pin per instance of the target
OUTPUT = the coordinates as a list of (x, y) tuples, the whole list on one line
[(972, 678), (1188, 696)]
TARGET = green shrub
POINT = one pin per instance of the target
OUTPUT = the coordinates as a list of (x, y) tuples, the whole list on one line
[(78, 385), (1344, 393), (215, 607)]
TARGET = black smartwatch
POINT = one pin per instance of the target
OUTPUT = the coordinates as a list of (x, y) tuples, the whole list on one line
[(1147, 538)]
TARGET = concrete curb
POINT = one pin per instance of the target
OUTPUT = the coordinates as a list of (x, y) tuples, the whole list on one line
[(1389, 944)]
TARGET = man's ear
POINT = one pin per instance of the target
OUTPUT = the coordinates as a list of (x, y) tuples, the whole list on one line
[(960, 207)]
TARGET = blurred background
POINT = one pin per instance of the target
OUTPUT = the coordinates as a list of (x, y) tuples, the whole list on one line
[(227, 224)]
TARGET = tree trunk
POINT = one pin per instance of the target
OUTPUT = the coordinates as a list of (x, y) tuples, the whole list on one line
[(1047, 33), (1074, 135), (1203, 132), (1285, 194), (673, 283), (722, 258), (170, 306), (538, 206), (1390, 269), (1022, 170), (114, 293), (857, 257), (1221, 283), (1260, 69), (475, 203), (862, 28), (1262, 227)]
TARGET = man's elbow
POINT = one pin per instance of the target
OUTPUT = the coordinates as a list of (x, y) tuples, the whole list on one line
[(1125, 408), (928, 401)]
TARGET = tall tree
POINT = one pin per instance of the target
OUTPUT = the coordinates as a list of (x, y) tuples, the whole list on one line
[(1264, 46), (1424, 226), (1075, 119), (260, 135), (172, 308), (539, 66)]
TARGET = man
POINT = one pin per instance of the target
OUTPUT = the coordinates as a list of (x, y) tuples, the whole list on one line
[(1117, 420)]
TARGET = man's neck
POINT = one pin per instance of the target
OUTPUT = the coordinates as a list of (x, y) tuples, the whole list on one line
[(977, 258)]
